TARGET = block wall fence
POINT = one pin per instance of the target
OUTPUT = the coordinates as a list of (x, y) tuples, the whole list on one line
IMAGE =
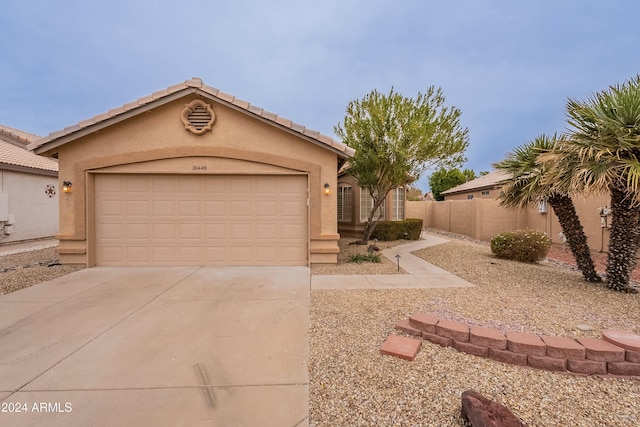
[(482, 219)]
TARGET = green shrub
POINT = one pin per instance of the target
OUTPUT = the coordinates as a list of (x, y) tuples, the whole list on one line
[(521, 245), (364, 258), (388, 230), (413, 228), (409, 229)]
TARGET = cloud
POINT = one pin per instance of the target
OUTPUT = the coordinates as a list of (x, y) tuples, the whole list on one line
[(509, 66)]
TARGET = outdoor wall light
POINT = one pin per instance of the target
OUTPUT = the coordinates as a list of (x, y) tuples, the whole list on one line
[(66, 186), (327, 190)]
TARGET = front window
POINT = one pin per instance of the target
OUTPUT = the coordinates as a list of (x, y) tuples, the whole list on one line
[(366, 204), (345, 202), (397, 204)]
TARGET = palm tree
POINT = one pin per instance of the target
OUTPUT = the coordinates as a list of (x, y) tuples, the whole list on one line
[(605, 138), (528, 185)]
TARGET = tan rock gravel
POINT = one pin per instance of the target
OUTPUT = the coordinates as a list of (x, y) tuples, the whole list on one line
[(538, 298), (558, 254), (347, 249), (352, 384), (21, 270)]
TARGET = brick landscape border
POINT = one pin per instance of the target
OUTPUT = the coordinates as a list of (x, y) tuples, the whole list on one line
[(617, 353)]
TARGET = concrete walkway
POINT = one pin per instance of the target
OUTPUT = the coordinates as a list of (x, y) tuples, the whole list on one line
[(420, 273)]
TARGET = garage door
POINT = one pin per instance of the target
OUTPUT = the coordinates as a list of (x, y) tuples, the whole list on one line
[(200, 220)]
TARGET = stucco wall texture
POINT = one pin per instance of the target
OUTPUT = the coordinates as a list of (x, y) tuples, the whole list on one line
[(484, 218), (354, 227), (157, 142), (36, 214)]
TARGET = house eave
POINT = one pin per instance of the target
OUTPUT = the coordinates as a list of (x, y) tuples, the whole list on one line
[(471, 190), (49, 145), (341, 154)]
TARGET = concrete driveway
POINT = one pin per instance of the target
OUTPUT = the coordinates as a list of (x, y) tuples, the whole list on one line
[(180, 346)]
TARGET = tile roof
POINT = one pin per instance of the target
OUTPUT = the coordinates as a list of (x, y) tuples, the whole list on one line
[(489, 180), (428, 196), (194, 85), (17, 135), (12, 156)]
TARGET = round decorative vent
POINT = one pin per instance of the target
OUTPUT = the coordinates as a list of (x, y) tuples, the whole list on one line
[(198, 117)]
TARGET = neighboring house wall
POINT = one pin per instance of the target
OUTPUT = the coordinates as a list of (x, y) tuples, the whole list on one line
[(353, 202), (34, 214), (28, 189), (484, 187), (484, 218), (486, 193)]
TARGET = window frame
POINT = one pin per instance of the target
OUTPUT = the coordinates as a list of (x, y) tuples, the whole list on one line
[(397, 204), (341, 211), (364, 213)]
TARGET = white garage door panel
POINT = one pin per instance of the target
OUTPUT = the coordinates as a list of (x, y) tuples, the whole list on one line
[(200, 220)]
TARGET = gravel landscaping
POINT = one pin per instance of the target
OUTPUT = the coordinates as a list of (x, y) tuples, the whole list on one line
[(352, 384), (21, 270), (348, 248)]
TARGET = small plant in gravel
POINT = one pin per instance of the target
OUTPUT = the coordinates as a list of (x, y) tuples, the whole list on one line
[(521, 245), (364, 258)]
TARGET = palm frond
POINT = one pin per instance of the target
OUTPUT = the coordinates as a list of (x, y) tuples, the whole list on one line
[(527, 175), (604, 138)]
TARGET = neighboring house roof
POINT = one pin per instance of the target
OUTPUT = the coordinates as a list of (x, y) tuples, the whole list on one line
[(16, 136), (490, 180), (195, 85), (428, 196), (15, 156)]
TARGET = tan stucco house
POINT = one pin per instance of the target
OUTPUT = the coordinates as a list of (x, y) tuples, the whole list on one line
[(28, 189), (191, 175), (484, 187), (355, 204)]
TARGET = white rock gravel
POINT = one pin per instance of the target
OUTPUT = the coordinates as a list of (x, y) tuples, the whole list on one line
[(351, 383)]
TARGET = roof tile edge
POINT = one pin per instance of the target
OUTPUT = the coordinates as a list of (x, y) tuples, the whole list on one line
[(198, 84)]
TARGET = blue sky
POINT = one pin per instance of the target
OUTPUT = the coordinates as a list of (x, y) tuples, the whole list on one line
[(508, 65)]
